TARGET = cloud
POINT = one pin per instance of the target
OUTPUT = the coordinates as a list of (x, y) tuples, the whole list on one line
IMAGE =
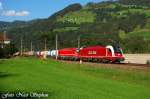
[(4, 12), (15, 13), (1, 6)]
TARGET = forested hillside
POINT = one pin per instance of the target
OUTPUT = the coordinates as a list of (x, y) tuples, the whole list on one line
[(136, 2), (123, 21)]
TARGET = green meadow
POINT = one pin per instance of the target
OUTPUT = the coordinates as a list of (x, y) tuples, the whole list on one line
[(66, 80)]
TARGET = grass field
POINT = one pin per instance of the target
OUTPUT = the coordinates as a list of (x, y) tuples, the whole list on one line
[(78, 17), (62, 80)]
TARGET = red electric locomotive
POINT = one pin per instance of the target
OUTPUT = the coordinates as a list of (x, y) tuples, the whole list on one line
[(101, 54), (93, 53), (68, 53)]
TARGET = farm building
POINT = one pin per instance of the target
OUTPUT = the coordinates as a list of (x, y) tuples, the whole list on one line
[(4, 40)]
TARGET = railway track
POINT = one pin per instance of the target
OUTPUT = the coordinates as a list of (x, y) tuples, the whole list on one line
[(134, 64), (126, 66)]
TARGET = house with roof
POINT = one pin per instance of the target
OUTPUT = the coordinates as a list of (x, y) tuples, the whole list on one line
[(4, 40)]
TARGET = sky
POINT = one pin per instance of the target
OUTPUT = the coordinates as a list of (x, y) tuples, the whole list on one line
[(11, 10)]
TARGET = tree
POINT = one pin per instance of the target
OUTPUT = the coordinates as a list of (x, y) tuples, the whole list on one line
[(8, 51), (136, 2), (135, 44)]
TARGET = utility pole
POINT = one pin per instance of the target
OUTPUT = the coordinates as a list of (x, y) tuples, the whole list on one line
[(45, 44), (4, 35), (56, 46), (79, 48), (45, 48), (31, 47), (21, 46), (4, 38), (78, 42), (24, 48)]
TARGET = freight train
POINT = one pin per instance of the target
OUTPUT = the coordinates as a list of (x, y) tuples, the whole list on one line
[(108, 54)]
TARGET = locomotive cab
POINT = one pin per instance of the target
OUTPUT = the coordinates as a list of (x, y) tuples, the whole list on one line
[(116, 53), (117, 50)]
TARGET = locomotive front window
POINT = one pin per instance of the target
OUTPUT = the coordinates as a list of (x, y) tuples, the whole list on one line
[(109, 50), (117, 49)]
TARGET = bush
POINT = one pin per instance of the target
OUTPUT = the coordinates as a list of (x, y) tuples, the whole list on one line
[(148, 62), (135, 44), (7, 51)]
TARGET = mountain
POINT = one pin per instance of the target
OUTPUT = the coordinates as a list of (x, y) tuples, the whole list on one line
[(10, 25), (96, 23)]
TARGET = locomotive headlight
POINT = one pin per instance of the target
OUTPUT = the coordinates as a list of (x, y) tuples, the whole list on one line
[(77, 50), (118, 54)]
